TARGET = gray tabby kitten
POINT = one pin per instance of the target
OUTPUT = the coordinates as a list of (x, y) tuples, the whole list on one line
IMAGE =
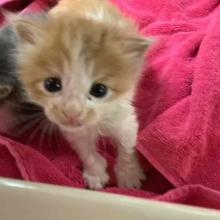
[(14, 106), (8, 80)]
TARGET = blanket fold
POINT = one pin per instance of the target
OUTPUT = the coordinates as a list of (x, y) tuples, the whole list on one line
[(178, 105)]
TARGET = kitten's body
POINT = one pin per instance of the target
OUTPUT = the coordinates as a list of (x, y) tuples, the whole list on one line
[(80, 45)]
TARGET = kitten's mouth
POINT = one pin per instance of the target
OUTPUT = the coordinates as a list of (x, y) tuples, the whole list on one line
[(74, 127), (68, 125), (72, 124)]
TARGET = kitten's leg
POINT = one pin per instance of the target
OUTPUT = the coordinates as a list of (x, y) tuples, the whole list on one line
[(128, 170), (93, 163)]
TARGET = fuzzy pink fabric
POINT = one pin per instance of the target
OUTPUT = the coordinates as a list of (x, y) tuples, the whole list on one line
[(178, 104)]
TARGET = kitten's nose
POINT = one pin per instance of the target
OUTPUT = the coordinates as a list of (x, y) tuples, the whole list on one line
[(73, 114), (71, 119)]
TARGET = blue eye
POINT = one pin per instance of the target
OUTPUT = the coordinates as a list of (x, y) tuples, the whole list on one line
[(53, 84), (98, 90)]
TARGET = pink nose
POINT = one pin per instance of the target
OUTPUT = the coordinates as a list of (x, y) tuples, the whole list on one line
[(72, 117)]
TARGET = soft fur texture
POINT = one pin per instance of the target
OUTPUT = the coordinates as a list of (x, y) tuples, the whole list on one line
[(87, 43)]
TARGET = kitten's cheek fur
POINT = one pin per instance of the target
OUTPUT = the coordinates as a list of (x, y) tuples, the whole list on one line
[(53, 115)]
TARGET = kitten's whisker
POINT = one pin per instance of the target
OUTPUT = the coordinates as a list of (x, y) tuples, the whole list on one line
[(43, 132), (26, 126), (24, 123), (35, 131), (27, 106), (50, 131), (47, 130), (56, 136), (27, 122), (24, 118), (52, 128)]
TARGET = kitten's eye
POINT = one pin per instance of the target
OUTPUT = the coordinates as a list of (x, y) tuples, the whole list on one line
[(98, 90), (53, 84)]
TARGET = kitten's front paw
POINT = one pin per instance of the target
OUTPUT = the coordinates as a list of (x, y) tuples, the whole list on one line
[(96, 181), (95, 174), (129, 175)]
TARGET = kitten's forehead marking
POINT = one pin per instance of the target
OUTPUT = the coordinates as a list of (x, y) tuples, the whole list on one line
[(77, 79)]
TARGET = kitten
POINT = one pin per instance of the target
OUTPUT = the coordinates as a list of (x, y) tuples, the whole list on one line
[(8, 43), (82, 66), (15, 107), (10, 88)]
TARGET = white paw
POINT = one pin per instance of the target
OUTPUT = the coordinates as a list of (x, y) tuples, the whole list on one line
[(129, 175), (96, 181), (95, 174)]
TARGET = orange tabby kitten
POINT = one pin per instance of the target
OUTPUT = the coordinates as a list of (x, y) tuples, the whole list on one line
[(82, 65)]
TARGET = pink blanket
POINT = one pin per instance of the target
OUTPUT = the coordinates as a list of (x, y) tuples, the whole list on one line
[(178, 104)]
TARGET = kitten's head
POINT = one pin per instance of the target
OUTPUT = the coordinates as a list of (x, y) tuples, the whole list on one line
[(77, 69)]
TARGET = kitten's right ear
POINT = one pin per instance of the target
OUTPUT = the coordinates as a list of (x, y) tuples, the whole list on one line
[(136, 47), (25, 29), (28, 31)]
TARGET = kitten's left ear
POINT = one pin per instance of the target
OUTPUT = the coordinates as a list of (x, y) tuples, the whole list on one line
[(136, 47)]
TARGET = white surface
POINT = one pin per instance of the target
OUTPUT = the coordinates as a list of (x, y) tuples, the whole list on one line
[(28, 201)]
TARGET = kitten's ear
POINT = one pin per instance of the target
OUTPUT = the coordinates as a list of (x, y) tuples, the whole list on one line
[(136, 47), (28, 31), (8, 15)]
